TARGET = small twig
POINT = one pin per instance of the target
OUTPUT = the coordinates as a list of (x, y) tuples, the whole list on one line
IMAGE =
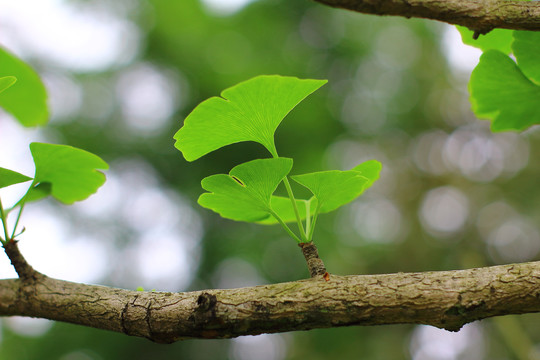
[(314, 262), (23, 269)]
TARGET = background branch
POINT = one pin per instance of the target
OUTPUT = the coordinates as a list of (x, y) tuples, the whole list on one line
[(446, 299), (478, 15)]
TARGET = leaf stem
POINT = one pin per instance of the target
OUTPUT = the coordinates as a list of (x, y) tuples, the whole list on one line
[(285, 180), (17, 220), (308, 218), (4, 223), (22, 203), (296, 213), (287, 229), (315, 215)]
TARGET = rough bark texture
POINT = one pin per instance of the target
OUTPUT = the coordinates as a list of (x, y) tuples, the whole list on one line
[(315, 264), (478, 15), (446, 299)]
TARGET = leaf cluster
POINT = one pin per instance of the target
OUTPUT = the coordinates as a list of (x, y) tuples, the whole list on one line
[(252, 111), (67, 173)]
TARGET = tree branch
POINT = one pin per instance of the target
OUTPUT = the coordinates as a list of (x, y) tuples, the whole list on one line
[(481, 16), (446, 299)]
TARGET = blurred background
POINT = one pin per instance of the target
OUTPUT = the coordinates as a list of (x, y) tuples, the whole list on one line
[(122, 75)]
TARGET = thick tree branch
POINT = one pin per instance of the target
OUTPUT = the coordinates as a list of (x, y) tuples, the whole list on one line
[(446, 299), (478, 15)]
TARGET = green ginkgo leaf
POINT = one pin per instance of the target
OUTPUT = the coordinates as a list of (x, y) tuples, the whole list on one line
[(6, 82), (245, 193), (526, 48), (496, 39), (72, 173), (502, 93), (35, 193), (9, 177), (249, 111), (283, 207), (370, 170), (27, 99), (336, 188)]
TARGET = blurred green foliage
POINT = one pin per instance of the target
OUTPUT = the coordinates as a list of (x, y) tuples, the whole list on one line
[(451, 193)]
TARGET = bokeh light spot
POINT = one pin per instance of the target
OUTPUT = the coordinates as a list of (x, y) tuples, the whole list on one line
[(96, 39), (430, 343), (444, 211), (148, 97), (377, 220), (225, 7), (260, 347), (30, 327)]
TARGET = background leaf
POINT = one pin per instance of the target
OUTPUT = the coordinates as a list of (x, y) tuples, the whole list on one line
[(249, 111), (27, 99), (500, 92), (496, 39), (244, 194), (9, 177), (72, 172), (336, 188), (526, 48), (6, 82)]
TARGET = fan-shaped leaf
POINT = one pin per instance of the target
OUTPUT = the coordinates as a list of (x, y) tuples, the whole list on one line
[(35, 193), (27, 99), (526, 48), (336, 188), (283, 207), (370, 170), (496, 39), (500, 92), (244, 194), (71, 172), (249, 111)]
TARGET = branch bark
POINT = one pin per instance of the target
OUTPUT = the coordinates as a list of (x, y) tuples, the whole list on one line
[(481, 16), (445, 299), (315, 264)]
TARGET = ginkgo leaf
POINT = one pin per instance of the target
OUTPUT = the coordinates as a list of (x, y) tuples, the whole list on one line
[(27, 99), (244, 194), (526, 48), (369, 169), (9, 177), (336, 188), (6, 82), (497, 39), (71, 172), (249, 111), (283, 207), (500, 92), (35, 193)]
